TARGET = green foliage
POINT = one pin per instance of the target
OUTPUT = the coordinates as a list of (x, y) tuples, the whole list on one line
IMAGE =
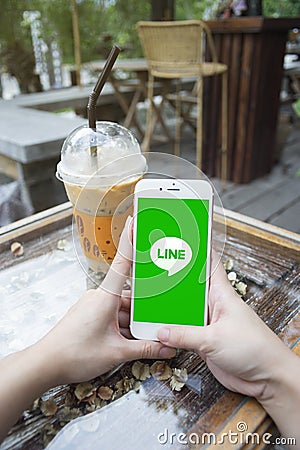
[(122, 17), (11, 29), (194, 9), (16, 54), (56, 18), (189, 9), (281, 8), (102, 22)]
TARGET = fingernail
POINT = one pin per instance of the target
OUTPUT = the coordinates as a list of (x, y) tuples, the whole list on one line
[(163, 334), (167, 352)]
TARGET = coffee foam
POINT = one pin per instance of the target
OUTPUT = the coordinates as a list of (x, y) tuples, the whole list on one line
[(118, 155)]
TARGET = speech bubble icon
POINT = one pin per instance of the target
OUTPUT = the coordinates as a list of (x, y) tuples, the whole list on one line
[(171, 254)]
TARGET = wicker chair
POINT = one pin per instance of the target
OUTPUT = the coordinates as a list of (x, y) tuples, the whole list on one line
[(175, 50)]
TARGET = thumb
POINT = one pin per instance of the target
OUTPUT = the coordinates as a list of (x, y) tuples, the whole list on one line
[(142, 349), (191, 338)]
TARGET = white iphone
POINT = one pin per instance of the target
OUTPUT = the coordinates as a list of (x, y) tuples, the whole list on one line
[(171, 254)]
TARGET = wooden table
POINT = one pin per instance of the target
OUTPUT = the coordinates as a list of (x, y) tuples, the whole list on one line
[(268, 256), (253, 48)]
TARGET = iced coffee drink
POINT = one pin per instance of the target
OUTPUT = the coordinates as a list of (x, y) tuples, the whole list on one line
[(99, 169)]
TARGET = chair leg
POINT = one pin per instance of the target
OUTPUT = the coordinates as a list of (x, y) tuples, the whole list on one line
[(178, 119), (159, 109), (146, 141), (193, 93), (224, 129), (199, 123)]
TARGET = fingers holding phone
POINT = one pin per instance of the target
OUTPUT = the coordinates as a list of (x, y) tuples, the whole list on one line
[(171, 254)]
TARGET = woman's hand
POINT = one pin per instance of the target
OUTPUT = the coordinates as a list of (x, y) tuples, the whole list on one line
[(237, 346), (244, 354), (90, 339)]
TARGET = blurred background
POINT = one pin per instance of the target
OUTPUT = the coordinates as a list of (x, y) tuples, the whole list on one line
[(50, 47), (37, 36)]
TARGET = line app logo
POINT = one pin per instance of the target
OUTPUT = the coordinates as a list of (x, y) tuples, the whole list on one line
[(171, 254)]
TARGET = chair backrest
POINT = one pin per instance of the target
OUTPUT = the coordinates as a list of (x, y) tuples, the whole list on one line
[(175, 47)]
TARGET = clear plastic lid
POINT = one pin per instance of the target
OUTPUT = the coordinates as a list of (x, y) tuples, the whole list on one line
[(110, 152)]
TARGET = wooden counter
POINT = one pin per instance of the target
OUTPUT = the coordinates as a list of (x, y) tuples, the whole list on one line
[(268, 256), (253, 48)]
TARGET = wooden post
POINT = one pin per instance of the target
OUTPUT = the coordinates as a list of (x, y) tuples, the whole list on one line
[(253, 49), (162, 9), (76, 37), (254, 8)]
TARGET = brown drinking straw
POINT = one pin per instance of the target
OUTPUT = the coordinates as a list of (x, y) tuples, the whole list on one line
[(93, 97)]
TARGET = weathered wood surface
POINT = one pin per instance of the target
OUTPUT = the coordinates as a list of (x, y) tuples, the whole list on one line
[(269, 259)]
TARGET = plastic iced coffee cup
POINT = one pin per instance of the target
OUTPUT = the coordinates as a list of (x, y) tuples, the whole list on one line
[(99, 169)]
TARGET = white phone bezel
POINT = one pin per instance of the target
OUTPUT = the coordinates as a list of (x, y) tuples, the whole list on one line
[(167, 188)]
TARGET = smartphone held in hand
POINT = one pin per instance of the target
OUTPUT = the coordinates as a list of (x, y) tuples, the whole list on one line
[(171, 254)]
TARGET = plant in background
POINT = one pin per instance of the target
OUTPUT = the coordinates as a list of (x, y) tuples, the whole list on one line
[(281, 8), (101, 22), (20, 63), (15, 46)]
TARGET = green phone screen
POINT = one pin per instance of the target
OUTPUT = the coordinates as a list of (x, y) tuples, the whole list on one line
[(171, 260)]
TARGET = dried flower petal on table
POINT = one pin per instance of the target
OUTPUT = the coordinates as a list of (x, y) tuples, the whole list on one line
[(178, 380), (235, 279), (50, 430), (232, 277), (61, 244), (47, 434), (90, 399), (100, 403), (48, 407), (83, 390), (140, 370), (136, 386), (90, 408), (45, 439), (241, 287), (125, 385), (17, 249), (105, 393), (67, 414), (69, 399), (128, 384), (117, 394), (34, 405), (160, 370), (228, 264)]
